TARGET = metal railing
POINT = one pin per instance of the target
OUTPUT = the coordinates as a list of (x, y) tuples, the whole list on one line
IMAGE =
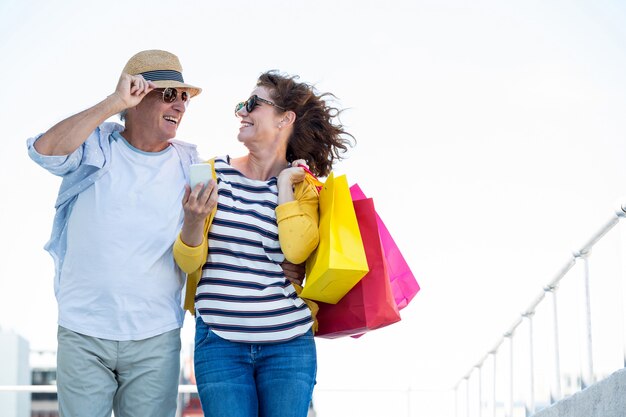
[(471, 400)]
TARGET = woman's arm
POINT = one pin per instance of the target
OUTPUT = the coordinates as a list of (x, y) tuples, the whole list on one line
[(191, 246), (298, 222)]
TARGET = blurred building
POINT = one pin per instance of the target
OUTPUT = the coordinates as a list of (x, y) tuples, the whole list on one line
[(14, 370), (44, 372)]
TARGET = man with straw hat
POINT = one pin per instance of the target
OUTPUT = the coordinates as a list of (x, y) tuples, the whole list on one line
[(117, 214)]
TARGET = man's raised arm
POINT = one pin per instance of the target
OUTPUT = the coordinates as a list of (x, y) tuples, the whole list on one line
[(66, 136)]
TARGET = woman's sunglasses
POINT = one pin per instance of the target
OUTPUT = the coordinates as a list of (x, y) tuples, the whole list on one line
[(169, 95), (254, 101)]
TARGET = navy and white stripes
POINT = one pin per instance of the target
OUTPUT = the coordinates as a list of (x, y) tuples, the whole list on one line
[(243, 294), (160, 75)]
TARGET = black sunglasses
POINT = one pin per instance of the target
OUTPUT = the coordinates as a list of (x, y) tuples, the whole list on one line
[(254, 101), (169, 95)]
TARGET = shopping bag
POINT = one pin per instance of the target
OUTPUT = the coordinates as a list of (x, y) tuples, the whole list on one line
[(403, 282), (370, 304), (339, 261)]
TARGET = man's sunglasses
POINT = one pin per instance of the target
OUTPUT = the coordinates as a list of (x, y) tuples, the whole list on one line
[(254, 101), (169, 95)]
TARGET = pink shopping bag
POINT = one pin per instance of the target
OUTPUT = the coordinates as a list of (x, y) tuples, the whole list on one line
[(370, 304), (403, 282)]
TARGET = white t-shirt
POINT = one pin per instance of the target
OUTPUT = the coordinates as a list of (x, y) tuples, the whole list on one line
[(119, 280)]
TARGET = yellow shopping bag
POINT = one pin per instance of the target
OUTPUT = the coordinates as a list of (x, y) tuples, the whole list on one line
[(339, 261)]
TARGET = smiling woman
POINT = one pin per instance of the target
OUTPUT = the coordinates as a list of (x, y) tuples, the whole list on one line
[(267, 213)]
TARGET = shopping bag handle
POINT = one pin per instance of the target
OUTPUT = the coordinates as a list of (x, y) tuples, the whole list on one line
[(314, 181)]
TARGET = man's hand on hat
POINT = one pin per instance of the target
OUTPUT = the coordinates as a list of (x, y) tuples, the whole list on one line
[(131, 89)]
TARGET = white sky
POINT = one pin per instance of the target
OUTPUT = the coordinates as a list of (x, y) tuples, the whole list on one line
[(491, 135)]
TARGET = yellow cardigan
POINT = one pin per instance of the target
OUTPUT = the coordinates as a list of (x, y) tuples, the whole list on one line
[(298, 234)]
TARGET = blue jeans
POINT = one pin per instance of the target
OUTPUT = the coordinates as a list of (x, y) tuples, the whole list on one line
[(249, 380)]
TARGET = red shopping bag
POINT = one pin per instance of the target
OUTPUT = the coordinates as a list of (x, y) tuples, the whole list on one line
[(370, 304), (403, 282)]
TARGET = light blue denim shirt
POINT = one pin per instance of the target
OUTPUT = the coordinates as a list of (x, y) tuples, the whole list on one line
[(79, 171)]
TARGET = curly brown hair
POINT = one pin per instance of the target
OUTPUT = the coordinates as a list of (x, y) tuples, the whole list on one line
[(315, 138)]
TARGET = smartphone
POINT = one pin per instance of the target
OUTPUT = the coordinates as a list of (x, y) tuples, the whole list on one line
[(199, 173)]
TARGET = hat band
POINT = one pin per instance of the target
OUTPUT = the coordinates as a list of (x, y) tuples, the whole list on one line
[(160, 75)]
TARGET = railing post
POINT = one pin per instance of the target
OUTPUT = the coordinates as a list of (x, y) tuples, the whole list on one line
[(408, 402), (480, 390), (530, 404), (467, 396), (623, 299), (509, 402), (493, 387), (456, 400), (621, 213), (623, 303), (587, 355), (555, 387)]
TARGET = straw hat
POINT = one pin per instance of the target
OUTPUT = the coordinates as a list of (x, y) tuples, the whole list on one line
[(161, 67)]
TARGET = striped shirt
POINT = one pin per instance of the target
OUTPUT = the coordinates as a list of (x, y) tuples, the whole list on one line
[(243, 295)]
